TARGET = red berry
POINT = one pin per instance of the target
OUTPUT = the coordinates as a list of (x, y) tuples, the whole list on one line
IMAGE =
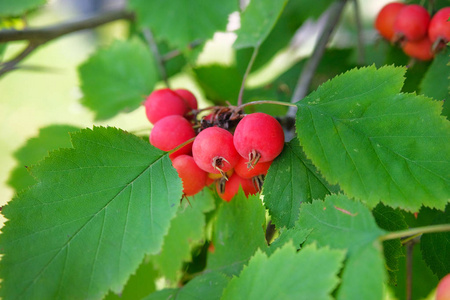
[(194, 178), (213, 150), (188, 97), (259, 137), (228, 189), (411, 23), (420, 49), (439, 27), (243, 169), (443, 288), (170, 132), (162, 103), (384, 22)]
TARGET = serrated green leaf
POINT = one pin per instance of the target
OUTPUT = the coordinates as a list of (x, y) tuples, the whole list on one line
[(49, 138), (308, 274), (257, 21), (291, 180), (391, 220), (435, 247), (238, 232), (117, 78), (296, 236), (186, 230), (377, 144), (85, 227), (345, 224), (436, 82), (10, 8), (165, 294), (173, 21), (139, 285)]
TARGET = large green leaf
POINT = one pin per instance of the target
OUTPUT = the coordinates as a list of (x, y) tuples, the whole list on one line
[(117, 78), (286, 274), (391, 220), (237, 234), (295, 236), (10, 8), (291, 180), (180, 22), (49, 138), (257, 21), (97, 209), (345, 224), (379, 145), (186, 230)]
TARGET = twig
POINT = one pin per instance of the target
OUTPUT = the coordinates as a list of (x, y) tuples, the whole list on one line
[(175, 53), (39, 36), (304, 81), (360, 45), (265, 102), (415, 231), (409, 268), (159, 60), (247, 71)]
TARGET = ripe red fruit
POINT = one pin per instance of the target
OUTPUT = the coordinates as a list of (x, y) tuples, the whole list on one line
[(228, 189), (162, 103), (243, 170), (194, 178), (170, 132), (188, 97), (411, 23), (259, 137), (443, 288), (213, 150), (420, 49), (439, 27), (385, 19)]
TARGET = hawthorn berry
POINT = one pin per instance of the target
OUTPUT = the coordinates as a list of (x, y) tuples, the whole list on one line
[(421, 49), (385, 19), (213, 150), (162, 103), (228, 189), (439, 28), (411, 23), (193, 178), (443, 288), (188, 97), (244, 171), (170, 132), (258, 138)]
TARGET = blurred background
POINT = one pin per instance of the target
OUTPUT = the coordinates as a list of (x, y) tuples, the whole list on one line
[(30, 100)]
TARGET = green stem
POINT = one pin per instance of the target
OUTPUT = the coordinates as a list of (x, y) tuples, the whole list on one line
[(182, 145), (266, 102), (415, 231), (244, 79)]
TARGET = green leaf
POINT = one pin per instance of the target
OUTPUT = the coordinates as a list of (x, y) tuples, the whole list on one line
[(286, 274), (118, 78), (391, 220), (85, 227), (377, 144), (10, 8), (435, 247), (296, 236), (186, 230), (291, 180), (49, 138), (345, 224), (173, 20), (238, 232), (436, 82), (257, 21), (139, 285), (165, 294)]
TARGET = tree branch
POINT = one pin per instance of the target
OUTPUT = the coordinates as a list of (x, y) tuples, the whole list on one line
[(148, 34)]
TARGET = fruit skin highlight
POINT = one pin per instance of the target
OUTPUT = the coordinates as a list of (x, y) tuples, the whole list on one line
[(193, 178), (259, 138), (213, 150), (411, 23), (385, 19), (439, 27), (162, 103)]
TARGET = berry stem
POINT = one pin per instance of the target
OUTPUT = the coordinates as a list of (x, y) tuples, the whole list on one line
[(181, 145), (415, 231), (247, 71), (159, 59)]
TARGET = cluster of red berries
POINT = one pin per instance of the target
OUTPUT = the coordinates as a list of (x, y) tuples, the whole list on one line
[(413, 29), (225, 147)]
